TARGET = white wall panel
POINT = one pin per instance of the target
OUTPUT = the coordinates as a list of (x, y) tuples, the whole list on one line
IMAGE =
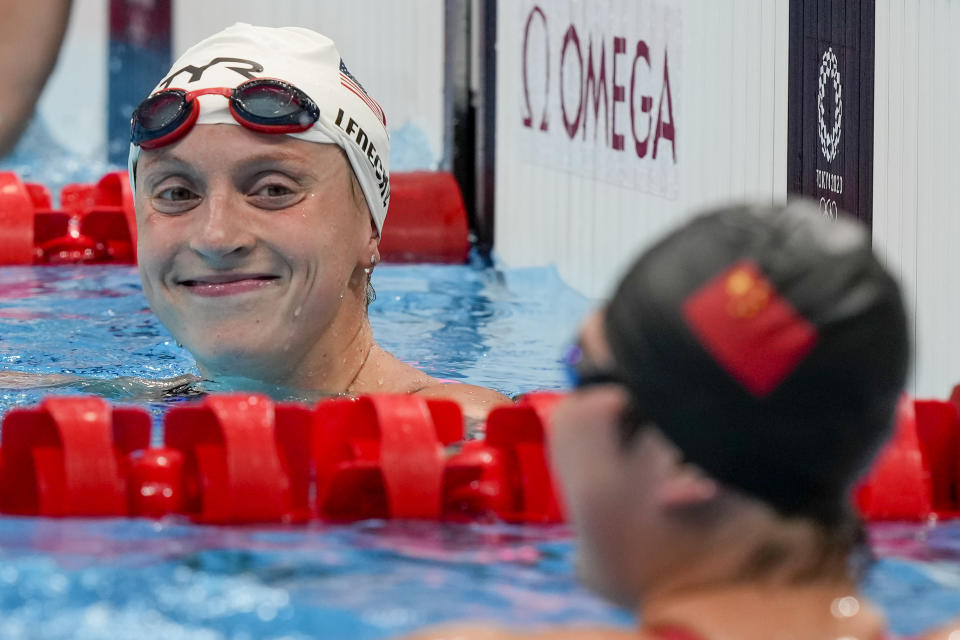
[(728, 76), (80, 81), (916, 165), (394, 48), (730, 99)]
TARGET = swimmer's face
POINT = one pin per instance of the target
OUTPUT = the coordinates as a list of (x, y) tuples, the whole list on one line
[(251, 249), (608, 488)]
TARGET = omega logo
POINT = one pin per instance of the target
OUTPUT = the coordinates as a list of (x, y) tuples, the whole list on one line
[(594, 73)]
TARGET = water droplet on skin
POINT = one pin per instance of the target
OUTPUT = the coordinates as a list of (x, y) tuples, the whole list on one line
[(380, 381), (296, 312), (845, 607)]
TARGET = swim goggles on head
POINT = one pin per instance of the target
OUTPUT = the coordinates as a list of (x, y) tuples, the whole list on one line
[(264, 105), (582, 373)]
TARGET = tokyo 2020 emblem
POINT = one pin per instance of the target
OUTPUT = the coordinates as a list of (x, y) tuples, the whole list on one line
[(830, 140)]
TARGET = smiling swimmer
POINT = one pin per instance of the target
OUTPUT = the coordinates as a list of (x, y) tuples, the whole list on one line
[(260, 168)]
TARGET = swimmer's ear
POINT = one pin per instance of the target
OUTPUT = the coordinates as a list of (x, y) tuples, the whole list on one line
[(370, 255), (686, 486)]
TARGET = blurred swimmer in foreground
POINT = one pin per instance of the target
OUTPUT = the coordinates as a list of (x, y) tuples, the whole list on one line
[(740, 380), (260, 169), (31, 32)]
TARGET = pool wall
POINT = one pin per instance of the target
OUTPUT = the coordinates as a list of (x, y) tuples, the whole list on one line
[(395, 49)]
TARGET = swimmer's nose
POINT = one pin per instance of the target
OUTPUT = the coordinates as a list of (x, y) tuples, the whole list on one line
[(221, 232)]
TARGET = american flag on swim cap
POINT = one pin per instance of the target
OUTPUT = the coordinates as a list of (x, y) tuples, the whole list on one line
[(350, 83)]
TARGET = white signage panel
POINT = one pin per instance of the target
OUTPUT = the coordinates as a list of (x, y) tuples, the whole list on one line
[(599, 91)]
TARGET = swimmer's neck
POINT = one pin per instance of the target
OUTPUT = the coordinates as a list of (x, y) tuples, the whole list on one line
[(333, 364), (336, 366), (762, 610)]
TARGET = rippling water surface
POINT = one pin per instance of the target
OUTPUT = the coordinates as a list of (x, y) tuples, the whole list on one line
[(141, 579)]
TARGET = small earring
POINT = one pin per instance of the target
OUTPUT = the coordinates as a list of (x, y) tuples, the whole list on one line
[(373, 260)]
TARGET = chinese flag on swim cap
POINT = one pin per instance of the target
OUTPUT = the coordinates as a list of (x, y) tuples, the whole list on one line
[(749, 328)]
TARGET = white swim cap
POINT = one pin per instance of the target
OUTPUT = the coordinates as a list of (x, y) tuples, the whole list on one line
[(349, 117)]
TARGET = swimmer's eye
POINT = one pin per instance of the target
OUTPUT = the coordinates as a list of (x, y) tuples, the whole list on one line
[(274, 195), (274, 191), (174, 199), (176, 194)]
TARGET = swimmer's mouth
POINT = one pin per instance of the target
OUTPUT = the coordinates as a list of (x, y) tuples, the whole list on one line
[(227, 284)]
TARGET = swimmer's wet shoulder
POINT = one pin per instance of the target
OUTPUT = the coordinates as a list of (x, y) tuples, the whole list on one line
[(476, 402), (383, 372)]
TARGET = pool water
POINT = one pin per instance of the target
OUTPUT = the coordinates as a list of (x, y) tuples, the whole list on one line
[(503, 329), (118, 578), (138, 579)]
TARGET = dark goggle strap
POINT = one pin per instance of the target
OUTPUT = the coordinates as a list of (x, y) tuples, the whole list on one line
[(582, 373)]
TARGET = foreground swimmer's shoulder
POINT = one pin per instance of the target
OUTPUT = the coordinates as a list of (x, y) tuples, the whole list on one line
[(484, 632)]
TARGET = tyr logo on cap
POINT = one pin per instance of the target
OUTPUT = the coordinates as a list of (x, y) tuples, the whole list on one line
[(751, 331), (197, 72)]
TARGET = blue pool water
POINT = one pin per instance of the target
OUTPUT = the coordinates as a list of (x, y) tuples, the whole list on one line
[(498, 328), (119, 578)]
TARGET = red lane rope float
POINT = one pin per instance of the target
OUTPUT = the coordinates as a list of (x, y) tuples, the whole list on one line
[(938, 433), (955, 401), (427, 220), (67, 457), (97, 222), (155, 483), (506, 473), (382, 456), (915, 477), (16, 219), (898, 486), (244, 459), (241, 458)]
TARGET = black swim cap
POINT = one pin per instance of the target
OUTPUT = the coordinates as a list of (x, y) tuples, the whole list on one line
[(770, 346)]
